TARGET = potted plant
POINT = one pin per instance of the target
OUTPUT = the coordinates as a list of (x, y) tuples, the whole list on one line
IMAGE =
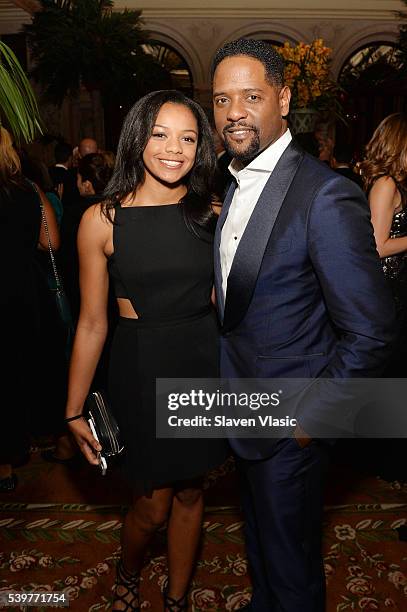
[(86, 45), (313, 91)]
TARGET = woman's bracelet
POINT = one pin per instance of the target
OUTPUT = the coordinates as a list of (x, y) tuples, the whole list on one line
[(73, 418)]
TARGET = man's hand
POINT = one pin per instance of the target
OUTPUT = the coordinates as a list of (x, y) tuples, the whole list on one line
[(302, 438)]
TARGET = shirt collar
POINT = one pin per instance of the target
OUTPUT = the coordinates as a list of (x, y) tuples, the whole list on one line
[(267, 159)]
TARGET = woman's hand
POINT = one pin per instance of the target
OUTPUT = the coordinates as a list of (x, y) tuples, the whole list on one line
[(85, 440)]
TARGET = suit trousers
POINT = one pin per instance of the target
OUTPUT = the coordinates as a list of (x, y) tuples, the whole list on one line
[(282, 500)]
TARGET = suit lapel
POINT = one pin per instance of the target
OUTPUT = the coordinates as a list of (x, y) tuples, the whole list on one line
[(249, 255), (218, 270)]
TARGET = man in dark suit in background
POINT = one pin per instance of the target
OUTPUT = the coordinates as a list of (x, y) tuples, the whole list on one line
[(342, 161), (300, 294), (62, 174)]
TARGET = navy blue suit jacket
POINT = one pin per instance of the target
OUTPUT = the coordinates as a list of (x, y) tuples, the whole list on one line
[(306, 295)]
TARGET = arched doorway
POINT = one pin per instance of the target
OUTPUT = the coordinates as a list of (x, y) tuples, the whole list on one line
[(370, 78), (176, 75), (176, 65), (274, 43)]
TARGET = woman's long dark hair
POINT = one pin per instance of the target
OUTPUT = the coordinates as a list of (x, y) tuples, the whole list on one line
[(129, 171)]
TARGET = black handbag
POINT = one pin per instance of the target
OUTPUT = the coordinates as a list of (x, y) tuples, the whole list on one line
[(61, 299), (104, 427)]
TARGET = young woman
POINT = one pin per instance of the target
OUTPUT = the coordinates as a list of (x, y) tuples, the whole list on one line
[(153, 235), (92, 177)]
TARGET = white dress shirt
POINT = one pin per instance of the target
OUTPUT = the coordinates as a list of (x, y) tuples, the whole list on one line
[(250, 183)]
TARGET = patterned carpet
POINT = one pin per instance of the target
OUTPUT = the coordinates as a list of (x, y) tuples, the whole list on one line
[(60, 531)]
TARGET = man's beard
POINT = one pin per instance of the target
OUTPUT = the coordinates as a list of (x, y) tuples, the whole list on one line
[(252, 148)]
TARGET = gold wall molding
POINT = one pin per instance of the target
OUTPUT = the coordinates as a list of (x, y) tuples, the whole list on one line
[(276, 9)]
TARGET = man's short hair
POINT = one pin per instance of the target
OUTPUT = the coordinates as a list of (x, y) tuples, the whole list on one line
[(264, 52), (62, 152), (343, 152)]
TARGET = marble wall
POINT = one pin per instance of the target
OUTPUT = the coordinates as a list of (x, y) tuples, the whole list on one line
[(196, 29)]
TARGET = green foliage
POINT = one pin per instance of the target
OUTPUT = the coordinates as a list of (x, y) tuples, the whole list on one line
[(18, 106), (78, 43), (378, 66)]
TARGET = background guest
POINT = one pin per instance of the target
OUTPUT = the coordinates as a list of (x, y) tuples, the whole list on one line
[(110, 158), (93, 174), (85, 147), (384, 173), (53, 354), (342, 161), (308, 142), (20, 308), (62, 174), (38, 173), (324, 137)]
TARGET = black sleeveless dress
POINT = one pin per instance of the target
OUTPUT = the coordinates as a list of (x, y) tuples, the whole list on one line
[(167, 273), (392, 464), (395, 266), (395, 271), (21, 340)]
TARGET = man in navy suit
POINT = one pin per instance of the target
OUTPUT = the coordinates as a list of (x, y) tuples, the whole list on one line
[(300, 294)]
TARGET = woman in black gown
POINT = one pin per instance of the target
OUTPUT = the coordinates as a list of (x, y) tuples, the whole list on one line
[(21, 316), (153, 237), (384, 173)]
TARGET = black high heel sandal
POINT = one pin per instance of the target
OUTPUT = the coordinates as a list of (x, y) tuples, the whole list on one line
[(127, 583), (175, 605)]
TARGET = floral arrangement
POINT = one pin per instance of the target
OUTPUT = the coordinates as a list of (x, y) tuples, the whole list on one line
[(307, 74)]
